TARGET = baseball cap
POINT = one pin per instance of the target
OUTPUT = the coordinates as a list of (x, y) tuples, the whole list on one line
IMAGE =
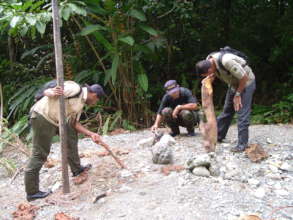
[(203, 66), (171, 86), (96, 88)]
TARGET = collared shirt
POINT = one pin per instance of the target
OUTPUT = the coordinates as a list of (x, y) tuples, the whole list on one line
[(48, 107), (236, 67), (185, 97)]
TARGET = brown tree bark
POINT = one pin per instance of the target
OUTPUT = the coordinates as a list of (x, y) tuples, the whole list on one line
[(208, 124)]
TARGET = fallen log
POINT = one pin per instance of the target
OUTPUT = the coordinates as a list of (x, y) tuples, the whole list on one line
[(208, 123)]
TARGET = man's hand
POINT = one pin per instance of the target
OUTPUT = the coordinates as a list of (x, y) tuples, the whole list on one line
[(154, 127), (54, 92), (237, 103), (176, 111), (96, 138)]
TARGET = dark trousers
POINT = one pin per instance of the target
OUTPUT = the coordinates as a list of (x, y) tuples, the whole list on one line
[(186, 118), (43, 132), (225, 118)]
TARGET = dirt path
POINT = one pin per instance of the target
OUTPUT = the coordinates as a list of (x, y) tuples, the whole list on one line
[(144, 192)]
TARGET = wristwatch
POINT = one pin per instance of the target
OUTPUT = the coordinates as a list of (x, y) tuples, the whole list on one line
[(237, 94)]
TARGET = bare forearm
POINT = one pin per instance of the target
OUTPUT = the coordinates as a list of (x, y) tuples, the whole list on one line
[(158, 119), (242, 83), (81, 129), (189, 106)]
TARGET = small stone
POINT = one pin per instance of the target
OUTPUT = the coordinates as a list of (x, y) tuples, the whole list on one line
[(282, 192), (253, 182), (199, 160), (269, 141), (260, 193), (201, 171), (125, 173), (56, 186), (287, 167)]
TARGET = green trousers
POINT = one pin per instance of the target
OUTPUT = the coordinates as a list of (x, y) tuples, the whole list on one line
[(43, 132)]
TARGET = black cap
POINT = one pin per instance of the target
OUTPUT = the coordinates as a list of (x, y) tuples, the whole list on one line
[(96, 88), (203, 66)]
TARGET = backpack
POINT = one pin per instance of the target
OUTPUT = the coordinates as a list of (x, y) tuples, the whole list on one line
[(52, 84), (226, 50)]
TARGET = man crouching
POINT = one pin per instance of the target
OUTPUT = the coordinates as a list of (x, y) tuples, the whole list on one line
[(178, 108)]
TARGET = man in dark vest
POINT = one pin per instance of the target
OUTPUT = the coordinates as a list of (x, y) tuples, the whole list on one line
[(44, 117), (178, 108)]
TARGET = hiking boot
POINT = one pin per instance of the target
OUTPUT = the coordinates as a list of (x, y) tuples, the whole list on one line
[(38, 195), (82, 169), (238, 148), (223, 141), (191, 134)]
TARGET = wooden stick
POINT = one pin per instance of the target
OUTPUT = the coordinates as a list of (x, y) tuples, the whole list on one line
[(60, 83), (106, 146)]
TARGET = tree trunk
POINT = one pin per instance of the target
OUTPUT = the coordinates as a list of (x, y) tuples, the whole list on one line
[(60, 83), (11, 51), (208, 125)]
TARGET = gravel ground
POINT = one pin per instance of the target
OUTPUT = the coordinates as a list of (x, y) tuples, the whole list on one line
[(144, 192)]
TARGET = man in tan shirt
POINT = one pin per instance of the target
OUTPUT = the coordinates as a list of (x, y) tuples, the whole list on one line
[(44, 122), (235, 72)]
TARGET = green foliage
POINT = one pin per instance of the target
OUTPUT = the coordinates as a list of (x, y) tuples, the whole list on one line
[(280, 112)]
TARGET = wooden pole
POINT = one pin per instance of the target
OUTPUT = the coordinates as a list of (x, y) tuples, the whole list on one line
[(60, 83)]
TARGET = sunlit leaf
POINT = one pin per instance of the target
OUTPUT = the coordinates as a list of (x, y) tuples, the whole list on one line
[(14, 21), (143, 81), (91, 28), (114, 68), (31, 20), (41, 27), (137, 14), (128, 40), (149, 30)]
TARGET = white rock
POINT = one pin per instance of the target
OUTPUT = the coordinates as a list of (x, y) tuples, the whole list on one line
[(286, 166), (125, 173), (56, 186), (201, 171), (269, 141), (253, 182), (282, 192), (260, 193), (124, 189), (278, 186), (146, 142)]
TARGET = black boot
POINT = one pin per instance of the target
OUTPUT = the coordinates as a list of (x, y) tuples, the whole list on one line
[(38, 195), (81, 169), (174, 131)]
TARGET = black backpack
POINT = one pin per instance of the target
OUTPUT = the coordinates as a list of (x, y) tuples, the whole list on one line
[(226, 50), (52, 84)]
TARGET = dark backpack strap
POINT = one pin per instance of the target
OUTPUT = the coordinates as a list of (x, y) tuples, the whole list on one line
[(220, 61)]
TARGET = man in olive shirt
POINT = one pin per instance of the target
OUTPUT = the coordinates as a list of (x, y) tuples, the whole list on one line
[(44, 117), (241, 85), (178, 108)]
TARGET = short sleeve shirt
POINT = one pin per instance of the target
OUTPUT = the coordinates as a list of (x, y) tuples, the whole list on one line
[(236, 67), (185, 97)]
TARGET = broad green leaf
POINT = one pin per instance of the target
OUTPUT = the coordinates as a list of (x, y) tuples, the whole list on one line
[(90, 29), (23, 30), (36, 5), (100, 38), (143, 81), (65, 13), (137, 14), (26, 5), (41, 27), (31, 20), (149, 30), (128, 40), (14, 21), (77, 9), (114, 68), (107, 77)]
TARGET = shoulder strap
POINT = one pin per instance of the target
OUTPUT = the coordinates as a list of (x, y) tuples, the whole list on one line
[(220, 61)]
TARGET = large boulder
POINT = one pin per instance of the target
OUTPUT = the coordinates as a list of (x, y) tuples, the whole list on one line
[(161, 151)]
